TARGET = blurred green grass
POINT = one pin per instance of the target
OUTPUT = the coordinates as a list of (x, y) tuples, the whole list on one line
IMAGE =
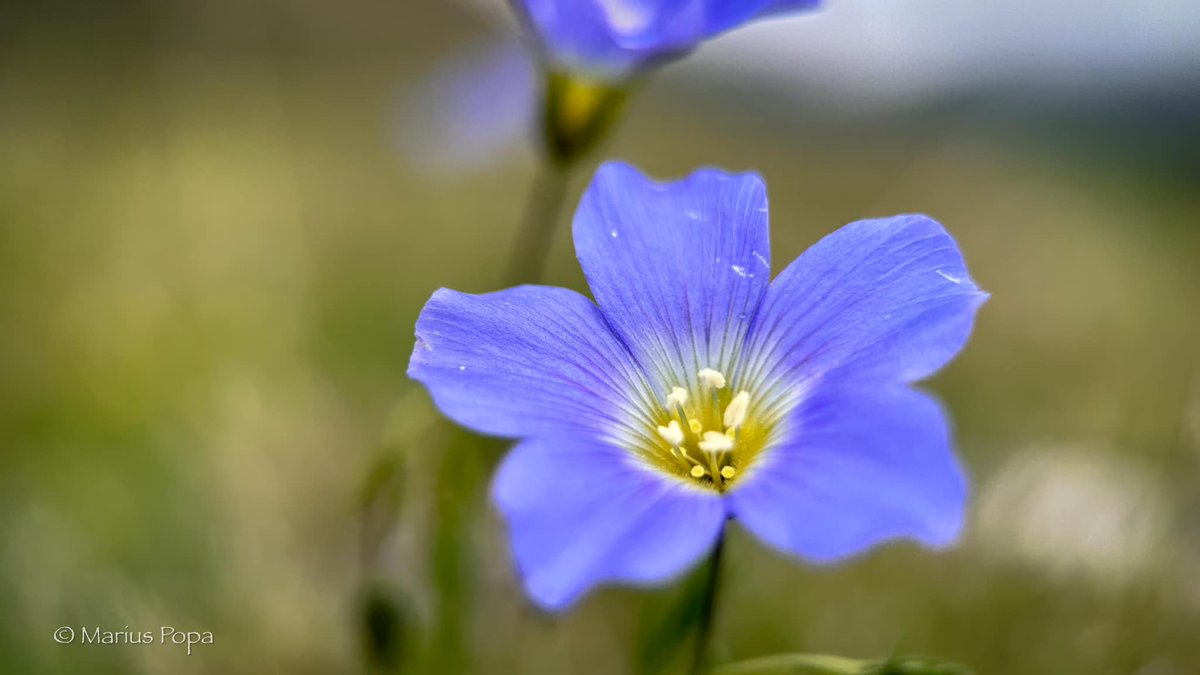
[(213, 255)]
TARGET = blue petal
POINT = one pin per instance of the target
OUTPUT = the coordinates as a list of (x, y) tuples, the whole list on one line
[(885, 300), (677, 268), (862, 466), (524, 361), (784, 6), (576, 33), (617, 35), (681, 25), (650, 25), (581, 514)]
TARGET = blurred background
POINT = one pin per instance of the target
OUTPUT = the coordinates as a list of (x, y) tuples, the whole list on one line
[(219, 220)]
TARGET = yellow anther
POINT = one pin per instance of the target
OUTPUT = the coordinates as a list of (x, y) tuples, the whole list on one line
[(735, 412), (728, 472), (715, 441), (695, 426), (672, 433), (677, 397), (712, 378), (697, 471)]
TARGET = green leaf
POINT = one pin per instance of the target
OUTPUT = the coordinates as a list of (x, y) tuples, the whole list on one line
[(825, 664), (919, 665), (821, 664)]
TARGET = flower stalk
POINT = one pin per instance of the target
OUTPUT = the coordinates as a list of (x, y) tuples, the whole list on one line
[(527, 262), (708, 606), (577, 113)]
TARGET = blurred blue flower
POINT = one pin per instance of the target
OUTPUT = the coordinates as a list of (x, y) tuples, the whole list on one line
[(468, 113), (615, 36), (695, 389), (471, 111)]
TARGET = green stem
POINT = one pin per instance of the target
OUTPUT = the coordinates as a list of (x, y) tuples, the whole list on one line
[(708, 606), (577, 114), (527, 262)]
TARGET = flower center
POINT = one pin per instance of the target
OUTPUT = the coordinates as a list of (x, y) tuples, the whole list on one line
[(708, 435)]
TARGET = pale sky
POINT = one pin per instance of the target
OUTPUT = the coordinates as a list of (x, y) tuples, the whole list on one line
[(906, 47)]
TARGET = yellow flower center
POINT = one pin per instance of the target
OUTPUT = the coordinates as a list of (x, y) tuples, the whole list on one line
[(707, 435)]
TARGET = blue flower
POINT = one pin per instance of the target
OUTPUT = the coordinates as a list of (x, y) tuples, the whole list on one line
[(695, 389), (615, 36)]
